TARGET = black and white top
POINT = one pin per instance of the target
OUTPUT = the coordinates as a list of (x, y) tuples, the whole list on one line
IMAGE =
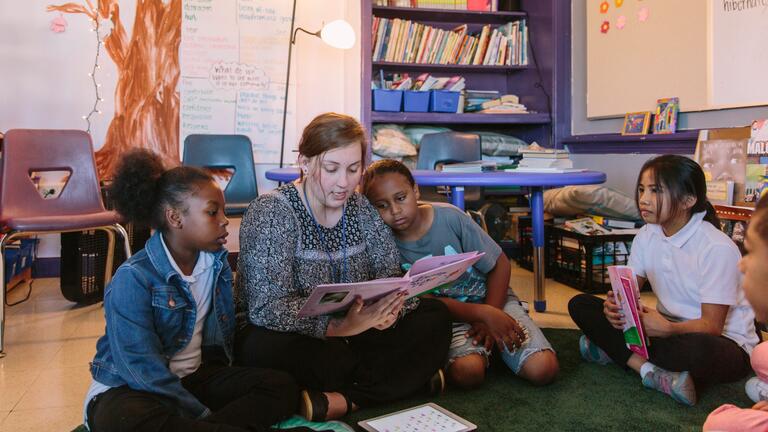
[(282, 258)]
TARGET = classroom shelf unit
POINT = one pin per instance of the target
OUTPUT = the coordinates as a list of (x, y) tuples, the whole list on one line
[(545, 91)]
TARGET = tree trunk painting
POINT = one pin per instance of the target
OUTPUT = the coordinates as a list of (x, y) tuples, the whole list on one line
[(146, 99)]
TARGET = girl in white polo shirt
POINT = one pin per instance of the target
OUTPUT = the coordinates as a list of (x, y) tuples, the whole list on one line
[(702, 331)]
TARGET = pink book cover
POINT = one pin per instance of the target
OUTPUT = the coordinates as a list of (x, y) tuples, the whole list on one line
[(627, 293), (479, 5), (425, 274)]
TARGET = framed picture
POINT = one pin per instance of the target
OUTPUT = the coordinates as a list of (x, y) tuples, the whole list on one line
[(665, 120), (636, 123)]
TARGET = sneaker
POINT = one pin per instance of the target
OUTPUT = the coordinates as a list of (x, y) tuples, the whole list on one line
[(436, 384), (592, 353), (756, 389), (679, 385)]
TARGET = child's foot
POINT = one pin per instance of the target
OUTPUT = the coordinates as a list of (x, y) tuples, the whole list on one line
[(592, 353), (679, 385), (756, 389)]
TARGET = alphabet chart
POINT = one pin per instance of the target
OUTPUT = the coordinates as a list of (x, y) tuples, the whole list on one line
[(423, 418)]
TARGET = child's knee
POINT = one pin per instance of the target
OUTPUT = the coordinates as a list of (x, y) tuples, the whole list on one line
[(467, 371), (540, 368), (759, 360)]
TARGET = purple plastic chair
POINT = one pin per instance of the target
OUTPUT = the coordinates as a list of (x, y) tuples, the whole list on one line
[(24, 212)]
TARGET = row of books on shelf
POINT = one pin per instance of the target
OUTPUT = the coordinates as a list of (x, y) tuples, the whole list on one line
[(423, 82), (405, 41), (478, 5)]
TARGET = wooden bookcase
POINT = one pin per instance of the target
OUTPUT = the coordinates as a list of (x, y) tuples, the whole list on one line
[(546, 91)]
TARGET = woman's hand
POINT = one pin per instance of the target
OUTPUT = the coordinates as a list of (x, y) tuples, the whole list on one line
[(762, 406), (380, 315), (654, 323), (499, 328), (613, 312)]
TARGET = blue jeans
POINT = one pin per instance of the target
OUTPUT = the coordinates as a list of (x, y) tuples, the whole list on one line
[(461, 344)]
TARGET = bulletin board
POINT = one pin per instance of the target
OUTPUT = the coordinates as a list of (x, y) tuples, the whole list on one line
[(711, 54)]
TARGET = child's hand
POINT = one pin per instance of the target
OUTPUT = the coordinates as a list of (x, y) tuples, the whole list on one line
[(613, 312), (761, 406), (503, 329), (479, 332), (654, 324)]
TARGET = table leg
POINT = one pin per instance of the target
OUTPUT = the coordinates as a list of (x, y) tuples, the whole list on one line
[(457, 196), (537, 219)]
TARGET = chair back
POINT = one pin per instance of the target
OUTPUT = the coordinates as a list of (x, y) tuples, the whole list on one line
[(35, 150), (448, 147), (226, 151)]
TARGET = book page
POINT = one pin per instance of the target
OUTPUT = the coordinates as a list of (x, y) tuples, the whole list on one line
[(429, 263), (326, 299)]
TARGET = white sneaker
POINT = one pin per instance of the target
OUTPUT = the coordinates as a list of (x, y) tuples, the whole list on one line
[(756, 389)]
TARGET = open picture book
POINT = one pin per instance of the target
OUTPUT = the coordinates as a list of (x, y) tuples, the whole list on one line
[(425, 274), (627, 294)]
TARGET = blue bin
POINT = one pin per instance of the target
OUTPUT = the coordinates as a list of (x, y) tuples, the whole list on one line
[(387, 100), (18, 257), (416, 101), (444, 101)]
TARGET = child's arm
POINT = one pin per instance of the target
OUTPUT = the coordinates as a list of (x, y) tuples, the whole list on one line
[(497, 283), (712, 321)]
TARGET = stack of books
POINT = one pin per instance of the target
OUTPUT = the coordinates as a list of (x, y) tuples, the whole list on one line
[(546, 160), (479, 166), (405, 41), (504, 104)]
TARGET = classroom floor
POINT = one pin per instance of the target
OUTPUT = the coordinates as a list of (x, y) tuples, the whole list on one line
[(49, 342)]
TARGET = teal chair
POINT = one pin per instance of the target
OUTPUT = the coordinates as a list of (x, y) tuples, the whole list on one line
[(226, 151)]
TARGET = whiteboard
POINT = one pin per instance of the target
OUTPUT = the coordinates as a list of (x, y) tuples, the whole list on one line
[(233, 58), (703, 51)]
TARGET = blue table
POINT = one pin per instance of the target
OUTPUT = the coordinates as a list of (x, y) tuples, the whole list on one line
[(535, 182)]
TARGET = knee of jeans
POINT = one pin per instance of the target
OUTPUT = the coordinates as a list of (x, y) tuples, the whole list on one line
[(540, 368), (467, 371)]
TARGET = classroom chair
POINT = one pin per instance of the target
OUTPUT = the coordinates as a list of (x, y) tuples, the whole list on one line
[(449, 147), (24, 211), (226, 151)]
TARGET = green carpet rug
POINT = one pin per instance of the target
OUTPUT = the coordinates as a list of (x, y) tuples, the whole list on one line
[(585, 397)]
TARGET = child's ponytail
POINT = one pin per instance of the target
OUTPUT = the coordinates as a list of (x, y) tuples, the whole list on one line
[(134, 187), (711, 215), (142, 188)]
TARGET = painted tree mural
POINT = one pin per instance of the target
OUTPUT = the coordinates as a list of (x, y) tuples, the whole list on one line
[(146, 99)]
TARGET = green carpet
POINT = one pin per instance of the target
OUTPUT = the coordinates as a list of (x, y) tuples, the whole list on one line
[(585, 397)]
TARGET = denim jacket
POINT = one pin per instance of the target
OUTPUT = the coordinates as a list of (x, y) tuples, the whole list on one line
[(150, 316)]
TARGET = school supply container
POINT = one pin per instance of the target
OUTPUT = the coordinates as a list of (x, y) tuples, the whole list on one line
[(19, 257), (444, 101), (387, 100), (416, 101)]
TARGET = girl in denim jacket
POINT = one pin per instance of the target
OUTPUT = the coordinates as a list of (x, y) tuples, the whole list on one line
[(164, 361)]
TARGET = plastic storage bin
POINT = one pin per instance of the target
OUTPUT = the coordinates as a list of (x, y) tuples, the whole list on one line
[(581, 261), (387, 100), (444, 101), (416, 101), (19, 257)]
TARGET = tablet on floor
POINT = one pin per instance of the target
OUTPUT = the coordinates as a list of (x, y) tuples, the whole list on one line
[(429, 417)]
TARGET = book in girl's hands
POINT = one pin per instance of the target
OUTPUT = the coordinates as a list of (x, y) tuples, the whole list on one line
[(424, 275), (627, 295)]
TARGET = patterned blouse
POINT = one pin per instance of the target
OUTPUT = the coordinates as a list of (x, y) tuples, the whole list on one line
[(282, 258)]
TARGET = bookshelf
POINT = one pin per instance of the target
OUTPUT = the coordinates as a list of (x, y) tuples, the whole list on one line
[(549, 35)]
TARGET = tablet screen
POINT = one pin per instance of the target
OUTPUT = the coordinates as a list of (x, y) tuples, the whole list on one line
[(424, 418)]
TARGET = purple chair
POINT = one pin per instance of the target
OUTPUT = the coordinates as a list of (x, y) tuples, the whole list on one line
[(24, 212)]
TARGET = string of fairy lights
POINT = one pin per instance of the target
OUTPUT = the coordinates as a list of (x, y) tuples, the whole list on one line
[(92, 74)]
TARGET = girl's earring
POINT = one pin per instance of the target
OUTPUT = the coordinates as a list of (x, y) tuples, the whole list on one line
[(305, 170)]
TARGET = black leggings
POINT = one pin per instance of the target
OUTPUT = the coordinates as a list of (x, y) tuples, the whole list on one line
[(709, 359), (242, 399), (373, 367)]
